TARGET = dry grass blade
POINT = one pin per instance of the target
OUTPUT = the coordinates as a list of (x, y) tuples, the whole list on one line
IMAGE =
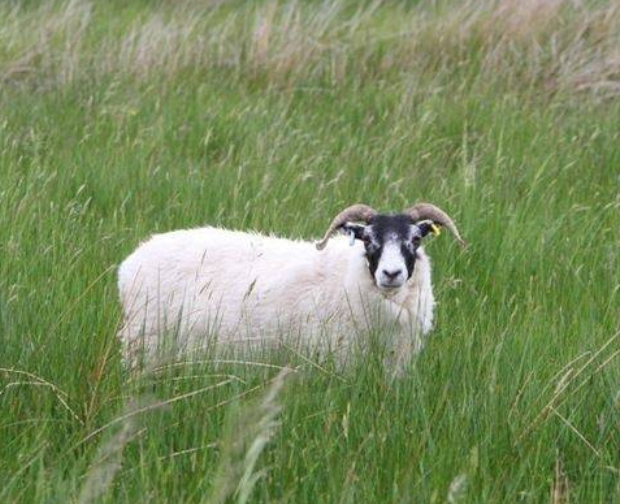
[(187, 451), (566, 382), (35, 380), (457, 489), (149, 407), (100, 476), (560, 486), (248, 435), (567, 46), (315, 365), (574, 429), (221, 361)]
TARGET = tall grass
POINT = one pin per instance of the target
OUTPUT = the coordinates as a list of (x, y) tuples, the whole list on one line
[(554, 45), (119, 120)]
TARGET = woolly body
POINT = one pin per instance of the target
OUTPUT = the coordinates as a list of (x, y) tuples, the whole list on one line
[(203, 282)]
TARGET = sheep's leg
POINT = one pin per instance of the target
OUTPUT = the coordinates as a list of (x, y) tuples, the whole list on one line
[(406, 342)]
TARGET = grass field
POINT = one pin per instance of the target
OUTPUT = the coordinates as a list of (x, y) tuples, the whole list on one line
[(119, 120)]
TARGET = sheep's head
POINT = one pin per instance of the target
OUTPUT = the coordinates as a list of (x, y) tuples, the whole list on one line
[(391, 242)]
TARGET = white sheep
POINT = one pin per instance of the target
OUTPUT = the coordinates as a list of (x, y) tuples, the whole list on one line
[(191, 287)]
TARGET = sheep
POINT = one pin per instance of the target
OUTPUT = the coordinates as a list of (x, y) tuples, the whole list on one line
[(216, 284)]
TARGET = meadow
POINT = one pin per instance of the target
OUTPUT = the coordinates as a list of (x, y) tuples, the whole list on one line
[(122, 119)]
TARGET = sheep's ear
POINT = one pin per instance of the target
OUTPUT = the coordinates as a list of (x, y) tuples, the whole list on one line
[(356, 229), (426, 227)]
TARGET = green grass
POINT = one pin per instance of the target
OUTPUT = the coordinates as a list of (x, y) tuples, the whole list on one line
[(120, 121)]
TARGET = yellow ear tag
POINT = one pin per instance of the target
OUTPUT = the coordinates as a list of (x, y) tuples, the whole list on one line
[(436, 229)]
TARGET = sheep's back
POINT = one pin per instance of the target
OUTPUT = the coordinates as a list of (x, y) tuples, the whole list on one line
[(201, 277)]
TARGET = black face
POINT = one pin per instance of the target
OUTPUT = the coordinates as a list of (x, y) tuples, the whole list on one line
[(391, 243)]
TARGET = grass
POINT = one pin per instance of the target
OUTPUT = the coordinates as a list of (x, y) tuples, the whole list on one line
[(117, 121)]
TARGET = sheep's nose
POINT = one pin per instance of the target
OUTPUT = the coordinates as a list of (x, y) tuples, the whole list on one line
[(392, 274)]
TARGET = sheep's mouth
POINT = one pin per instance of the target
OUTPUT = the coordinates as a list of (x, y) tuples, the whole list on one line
[(390, 288)]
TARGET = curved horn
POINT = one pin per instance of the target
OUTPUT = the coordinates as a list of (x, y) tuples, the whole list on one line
[(357, 212), (422, 211)]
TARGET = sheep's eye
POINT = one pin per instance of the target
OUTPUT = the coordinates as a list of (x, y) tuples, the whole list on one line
[(370, 246)]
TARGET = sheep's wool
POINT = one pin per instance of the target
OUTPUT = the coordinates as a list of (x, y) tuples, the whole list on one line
[(202, 284)]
